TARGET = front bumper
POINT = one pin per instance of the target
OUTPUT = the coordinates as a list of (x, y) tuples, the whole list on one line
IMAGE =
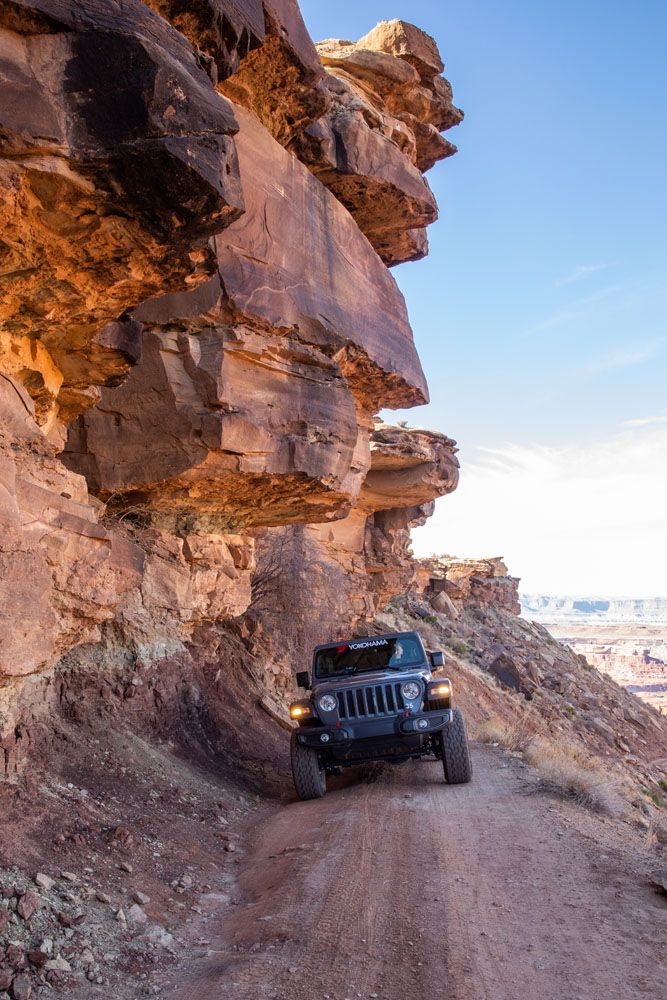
[(391, 727)]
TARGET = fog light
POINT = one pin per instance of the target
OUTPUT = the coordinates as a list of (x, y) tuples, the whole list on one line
[(422, 723), (324, 737)]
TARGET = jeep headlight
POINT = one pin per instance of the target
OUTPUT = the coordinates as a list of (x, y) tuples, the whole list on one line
[(327, 703), (411, 690)]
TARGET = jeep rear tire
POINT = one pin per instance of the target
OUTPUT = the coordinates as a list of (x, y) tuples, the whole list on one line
[(456, 761), (309, 778)]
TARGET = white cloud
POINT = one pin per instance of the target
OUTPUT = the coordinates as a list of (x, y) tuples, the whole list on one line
[(656, 418), (623, 357), (586, 519), (578, 310), (580, 274)]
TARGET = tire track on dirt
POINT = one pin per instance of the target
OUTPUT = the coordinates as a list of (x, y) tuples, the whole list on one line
[(408, 887)]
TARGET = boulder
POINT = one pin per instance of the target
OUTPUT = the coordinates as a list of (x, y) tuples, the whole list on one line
[(659, 881)]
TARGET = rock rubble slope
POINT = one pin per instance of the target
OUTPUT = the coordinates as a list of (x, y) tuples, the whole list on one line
[(199, 327)]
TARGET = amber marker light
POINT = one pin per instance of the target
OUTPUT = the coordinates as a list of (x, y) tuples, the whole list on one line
[(298, 710), (440, 689)]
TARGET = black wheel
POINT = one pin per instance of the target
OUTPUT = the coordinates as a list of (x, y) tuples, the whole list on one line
[(309, 778), (456, 761)]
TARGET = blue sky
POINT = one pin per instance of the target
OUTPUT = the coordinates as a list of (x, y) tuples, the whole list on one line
[(540, 311)]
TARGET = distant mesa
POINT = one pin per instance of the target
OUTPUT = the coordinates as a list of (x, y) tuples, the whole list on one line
[(545, 608)]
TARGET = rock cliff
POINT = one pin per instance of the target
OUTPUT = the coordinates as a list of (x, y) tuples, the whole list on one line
[(517, 684), (198, 330), (199, 327), (471, 583), (329, 578)]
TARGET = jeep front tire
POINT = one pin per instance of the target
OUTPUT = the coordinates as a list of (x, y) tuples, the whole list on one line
[(309, 778), (456, 761)]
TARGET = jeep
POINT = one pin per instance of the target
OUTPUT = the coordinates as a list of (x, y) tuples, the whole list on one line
[(375, 699)]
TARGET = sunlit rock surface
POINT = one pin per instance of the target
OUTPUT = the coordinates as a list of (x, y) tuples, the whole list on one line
[(389, 105), (112, 184), (197, 326), (244, 403)]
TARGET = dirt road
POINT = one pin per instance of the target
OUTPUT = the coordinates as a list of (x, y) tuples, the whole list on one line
[(403, 887)]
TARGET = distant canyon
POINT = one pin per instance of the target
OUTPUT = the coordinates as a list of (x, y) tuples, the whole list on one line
[(625, 638)]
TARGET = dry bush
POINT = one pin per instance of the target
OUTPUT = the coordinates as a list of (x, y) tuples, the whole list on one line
[(516, 736), (494, 730), (565, 770)]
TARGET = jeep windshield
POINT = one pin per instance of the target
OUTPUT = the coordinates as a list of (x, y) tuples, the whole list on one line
[(362, 656)]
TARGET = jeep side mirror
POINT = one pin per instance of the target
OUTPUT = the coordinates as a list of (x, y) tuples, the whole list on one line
[(438, 658), (303, 679)]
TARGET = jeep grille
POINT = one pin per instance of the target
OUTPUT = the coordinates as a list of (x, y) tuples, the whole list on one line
[(371, 701)]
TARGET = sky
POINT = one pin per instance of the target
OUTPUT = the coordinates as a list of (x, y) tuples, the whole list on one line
[(540, 312)]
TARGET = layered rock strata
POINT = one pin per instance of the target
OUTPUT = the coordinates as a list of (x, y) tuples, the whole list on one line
[(389, 105), (65, 569), (207, 321), (320, 581), (452, 584), (62, 572), (111, 185), (248, 387)]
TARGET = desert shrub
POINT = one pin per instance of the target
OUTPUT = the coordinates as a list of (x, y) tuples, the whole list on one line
[(565, 771), (655, 798), (516, 736)]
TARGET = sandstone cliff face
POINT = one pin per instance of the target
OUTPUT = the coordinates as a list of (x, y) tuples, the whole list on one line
[(389, 105), (62, 573), (111, 185), (198, 324), (318, 582), (248, 386), (452, 584)]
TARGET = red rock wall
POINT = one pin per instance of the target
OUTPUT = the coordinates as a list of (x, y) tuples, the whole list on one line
[(454, 584), (198, 322)]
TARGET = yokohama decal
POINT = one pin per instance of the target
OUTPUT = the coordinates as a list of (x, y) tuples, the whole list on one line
[(369, 644)]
